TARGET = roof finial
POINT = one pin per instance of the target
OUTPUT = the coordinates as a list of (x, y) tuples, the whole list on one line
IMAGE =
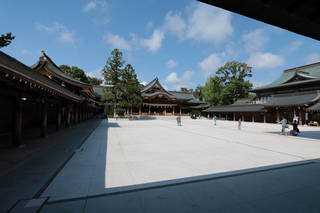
[(42, 52)]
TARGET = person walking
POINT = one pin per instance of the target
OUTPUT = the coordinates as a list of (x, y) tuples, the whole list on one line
[(179, 120), (239, 124), (295, 131), (283, 123), (214, 118)]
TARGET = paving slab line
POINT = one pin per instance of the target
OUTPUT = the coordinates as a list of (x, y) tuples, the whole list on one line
[(176, 182)]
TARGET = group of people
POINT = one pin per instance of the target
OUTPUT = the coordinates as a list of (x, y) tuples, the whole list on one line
[(285, 124)]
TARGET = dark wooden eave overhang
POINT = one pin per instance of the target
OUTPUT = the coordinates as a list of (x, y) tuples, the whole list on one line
[(293, 99), (237, 108), (15, 69), (46, 63), (301, 17)]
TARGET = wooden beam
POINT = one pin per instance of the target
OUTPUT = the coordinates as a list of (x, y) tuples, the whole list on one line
[(44, 118), (17, 128)]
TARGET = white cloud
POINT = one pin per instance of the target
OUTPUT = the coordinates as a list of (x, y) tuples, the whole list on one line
[(155, 41), (255, 41), (186, 76), (64, 34), (143, 83), (175, 24), (176, 82), (313, 58), (91, 5), (209, 24), (97, 73), (210, 64), (67, 37), (265, 60), (117, 41), (171, 64), (293, 46), (172, 78)]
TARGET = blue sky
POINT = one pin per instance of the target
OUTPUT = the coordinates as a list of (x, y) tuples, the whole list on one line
[(181, 42)]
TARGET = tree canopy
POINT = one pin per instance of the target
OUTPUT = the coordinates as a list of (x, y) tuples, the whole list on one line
[(6, 39), (75, 72), (122, 86), (94, 80), (229, 84)]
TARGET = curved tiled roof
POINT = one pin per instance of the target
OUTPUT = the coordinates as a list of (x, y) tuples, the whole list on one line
[(13, 67), (237, 108)]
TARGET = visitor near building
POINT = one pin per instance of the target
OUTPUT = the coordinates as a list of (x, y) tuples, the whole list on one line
[(295, 131), (284, 125), (239, 124), (179, 120), (214, 118)]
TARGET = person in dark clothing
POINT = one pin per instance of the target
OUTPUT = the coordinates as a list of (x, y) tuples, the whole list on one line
[(295, 129)]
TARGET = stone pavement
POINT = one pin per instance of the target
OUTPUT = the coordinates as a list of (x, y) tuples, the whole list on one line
[(156, 166), (26, 172)]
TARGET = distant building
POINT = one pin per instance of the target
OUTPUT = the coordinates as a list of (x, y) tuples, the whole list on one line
[(40, 99), (159, 101), (296, 91)]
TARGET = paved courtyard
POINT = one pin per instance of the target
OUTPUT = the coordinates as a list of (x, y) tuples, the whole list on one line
[(127, 155)]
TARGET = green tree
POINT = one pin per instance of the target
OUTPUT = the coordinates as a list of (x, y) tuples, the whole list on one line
[(6, 39), (211, 91), (94, 80), (197, 93), (234, 77), (112, 76), (130, 88), (75, 72), (184, 89)]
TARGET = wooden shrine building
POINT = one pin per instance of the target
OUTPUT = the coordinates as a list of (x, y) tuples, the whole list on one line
[(159, 101), (38, 99), (296, 91)]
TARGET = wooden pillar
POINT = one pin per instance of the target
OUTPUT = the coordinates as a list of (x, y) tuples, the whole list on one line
[(264, 118), (242, 117), (234, 116), (165, 110), (173, 111), (68, 116), (226, 116), (17, 129), (59, 115), (219, 115), (252, 117), (44, 118), (180, 111), (139, 110), (278, 116), (300, 117), (149, 112)]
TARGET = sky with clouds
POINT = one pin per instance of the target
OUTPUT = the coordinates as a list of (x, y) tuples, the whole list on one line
[(180, 42)]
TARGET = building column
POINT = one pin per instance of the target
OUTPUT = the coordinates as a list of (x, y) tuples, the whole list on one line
[(300, 116), (59, 115), (173, 110), (252, 117), (242, 117), (140, 110), (234, 116), (149, 112), (165, 110), (278, 116), (44, 118), (180, 111), (226, 116), (17, 129), (264, 118), (68, 115)]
